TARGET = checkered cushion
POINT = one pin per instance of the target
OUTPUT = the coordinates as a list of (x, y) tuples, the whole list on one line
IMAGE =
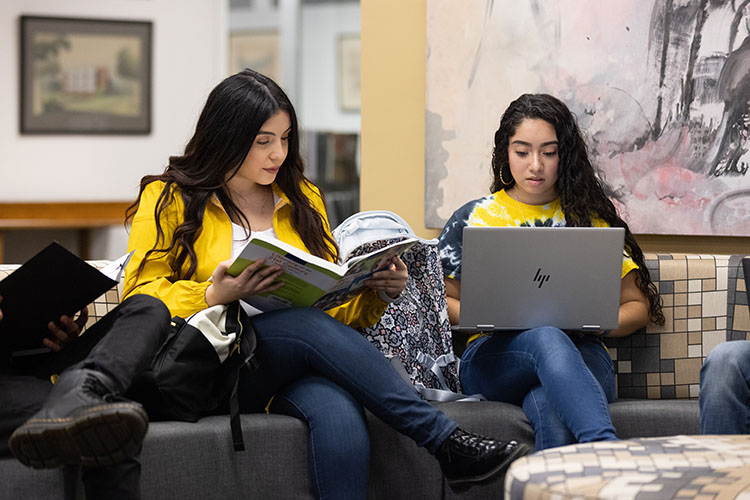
[(677, 467), (704, 305)]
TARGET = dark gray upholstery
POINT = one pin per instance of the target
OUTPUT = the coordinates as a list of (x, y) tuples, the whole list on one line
[(655, 417), (196, 461)]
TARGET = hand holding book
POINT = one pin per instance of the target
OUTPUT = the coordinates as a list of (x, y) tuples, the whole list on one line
[(65, 329), (390, 281), (257, 278)]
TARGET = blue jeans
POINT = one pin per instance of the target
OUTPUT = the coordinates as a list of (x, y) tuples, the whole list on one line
[(338, 444), (324, 371), (725, 389), (564, 386)]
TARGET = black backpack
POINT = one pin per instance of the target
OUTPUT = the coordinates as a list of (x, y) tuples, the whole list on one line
[(198, 367)]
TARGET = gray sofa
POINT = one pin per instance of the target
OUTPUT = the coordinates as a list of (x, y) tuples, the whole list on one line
[(657, 382)]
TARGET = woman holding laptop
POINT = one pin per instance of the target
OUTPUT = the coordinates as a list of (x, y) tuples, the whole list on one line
[(542, 176)]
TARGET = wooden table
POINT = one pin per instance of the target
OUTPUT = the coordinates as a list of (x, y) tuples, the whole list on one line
[(79, 216)]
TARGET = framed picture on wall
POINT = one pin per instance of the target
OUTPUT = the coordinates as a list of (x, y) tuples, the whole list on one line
[(257, 50), (85, 76), (349, 75)]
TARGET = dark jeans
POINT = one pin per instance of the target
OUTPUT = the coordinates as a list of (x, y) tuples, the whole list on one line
[(322, 371), (120, 345)]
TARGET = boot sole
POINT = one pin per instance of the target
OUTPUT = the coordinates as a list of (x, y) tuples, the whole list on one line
[(102, 435), (464, 483)]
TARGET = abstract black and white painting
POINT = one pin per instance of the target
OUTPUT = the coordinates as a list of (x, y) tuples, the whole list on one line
[(661, 89)]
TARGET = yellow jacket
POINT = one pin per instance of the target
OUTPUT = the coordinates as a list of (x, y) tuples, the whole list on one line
[(212, 246)]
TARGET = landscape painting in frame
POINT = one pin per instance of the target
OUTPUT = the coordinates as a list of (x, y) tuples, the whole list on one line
[(661, 89), (85, 76)]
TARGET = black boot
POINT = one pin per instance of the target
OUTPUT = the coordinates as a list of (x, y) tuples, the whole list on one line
[(468, 459), (82, 422)]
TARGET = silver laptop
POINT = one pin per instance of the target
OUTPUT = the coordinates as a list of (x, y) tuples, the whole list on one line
[(516, 278)]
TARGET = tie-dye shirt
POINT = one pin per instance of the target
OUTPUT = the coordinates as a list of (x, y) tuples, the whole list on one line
[(496, 210)]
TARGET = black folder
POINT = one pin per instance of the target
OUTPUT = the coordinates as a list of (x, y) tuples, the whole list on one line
[(52, 283)]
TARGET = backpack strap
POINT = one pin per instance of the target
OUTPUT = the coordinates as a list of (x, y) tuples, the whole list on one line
[(244, 354), (440, 395), (435, 365)]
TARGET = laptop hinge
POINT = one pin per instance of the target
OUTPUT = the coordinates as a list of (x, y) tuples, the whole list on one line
[(485, 327), (591, 328)]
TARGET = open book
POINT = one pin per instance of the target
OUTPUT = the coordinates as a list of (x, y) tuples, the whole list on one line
[(52, 283), (309, 280)]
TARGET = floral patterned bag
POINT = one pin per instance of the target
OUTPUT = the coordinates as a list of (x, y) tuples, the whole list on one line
[(415, 328)]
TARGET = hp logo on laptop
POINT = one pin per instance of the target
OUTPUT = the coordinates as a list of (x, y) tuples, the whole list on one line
[(541, 278)]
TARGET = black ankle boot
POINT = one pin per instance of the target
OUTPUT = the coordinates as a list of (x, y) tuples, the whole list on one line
[(82, 422), (468, 459)]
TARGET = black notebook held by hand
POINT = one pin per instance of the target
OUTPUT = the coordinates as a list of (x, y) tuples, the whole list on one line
[(52, 283)]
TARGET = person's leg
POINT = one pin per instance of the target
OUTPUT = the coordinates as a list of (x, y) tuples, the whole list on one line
[(507, 366), (22, 396), (84, 420), (120, 481), (549, 429), (552, 430), (339, 444), (296, 342), (123, 343), (725, 389)]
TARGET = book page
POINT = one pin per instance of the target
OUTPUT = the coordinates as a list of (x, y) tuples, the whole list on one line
[(115, 268), (305, 277), (360, 269)]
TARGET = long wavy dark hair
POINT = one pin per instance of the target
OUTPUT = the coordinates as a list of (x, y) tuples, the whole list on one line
[(582, 193), (231, 118)]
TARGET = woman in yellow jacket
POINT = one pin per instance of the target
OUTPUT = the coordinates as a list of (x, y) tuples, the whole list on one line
[(242, 172)]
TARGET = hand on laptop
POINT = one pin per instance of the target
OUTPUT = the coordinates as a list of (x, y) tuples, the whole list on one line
[(1, 311), (65, 330)]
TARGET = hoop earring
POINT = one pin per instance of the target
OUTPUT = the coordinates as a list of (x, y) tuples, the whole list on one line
[(503, 180)]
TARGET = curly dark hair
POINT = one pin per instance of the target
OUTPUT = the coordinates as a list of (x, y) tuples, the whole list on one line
[(582, 193), (233, 114)]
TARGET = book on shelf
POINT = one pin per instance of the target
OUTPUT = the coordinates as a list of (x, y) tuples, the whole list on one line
[(310, 280), (54, 282)]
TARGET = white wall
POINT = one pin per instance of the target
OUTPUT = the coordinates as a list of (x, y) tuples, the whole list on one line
[(188, 60), (318, 104), (188, 38), (315, 59)]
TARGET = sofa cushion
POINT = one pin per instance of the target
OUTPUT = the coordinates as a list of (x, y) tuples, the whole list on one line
[(634, 418), (738, 312), (197, 461), (700, 298), (401, 469)]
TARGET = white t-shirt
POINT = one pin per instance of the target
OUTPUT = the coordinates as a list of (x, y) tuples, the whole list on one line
[(239, 238)]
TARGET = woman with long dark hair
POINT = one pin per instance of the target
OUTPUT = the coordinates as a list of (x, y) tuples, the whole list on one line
[(542, 176), (241, 172)]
